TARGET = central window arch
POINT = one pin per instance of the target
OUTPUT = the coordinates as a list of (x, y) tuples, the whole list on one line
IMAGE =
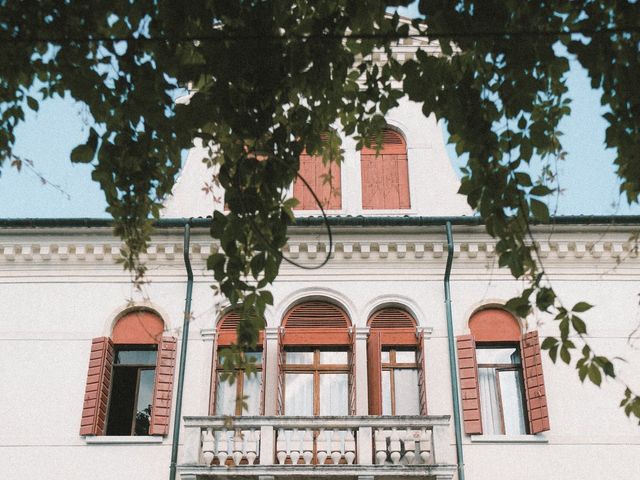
[(316, 361)]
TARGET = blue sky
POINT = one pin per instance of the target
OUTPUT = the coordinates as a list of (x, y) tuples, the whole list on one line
[(47, 137)]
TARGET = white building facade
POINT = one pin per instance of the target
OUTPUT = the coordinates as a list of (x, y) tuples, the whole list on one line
[(354, 376)]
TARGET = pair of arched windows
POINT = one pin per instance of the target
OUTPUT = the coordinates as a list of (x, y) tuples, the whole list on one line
[(130, 379), (384, 177), (316, 364)]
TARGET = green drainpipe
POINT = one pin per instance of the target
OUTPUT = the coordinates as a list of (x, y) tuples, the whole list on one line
[(452, 353), (183, 354)]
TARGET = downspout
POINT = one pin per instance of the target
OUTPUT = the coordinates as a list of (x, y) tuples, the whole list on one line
[(183, 354), (452, 353)]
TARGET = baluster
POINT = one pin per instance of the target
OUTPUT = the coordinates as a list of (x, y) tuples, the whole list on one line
[(322, 446), (394, 446), (238, 447), (307, 446), (409, 446), (223, 447), (381, 446), (281, 447), (294, 447), (425, 445), (208, 446), (336, 446), (350, 447), (252, 446)]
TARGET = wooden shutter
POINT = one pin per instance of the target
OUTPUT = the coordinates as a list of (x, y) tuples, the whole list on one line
[(163, 388), (469, 389), (281, 360), (264, 373), (314, 171), (374, 373), (422, 372), (534, 384), (214, 378), (316, 323), (96, 396), (352, 374)]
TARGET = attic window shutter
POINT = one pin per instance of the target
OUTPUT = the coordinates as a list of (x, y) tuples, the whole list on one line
[(374, 373), (96, 397), (163, 388), (534, 384), (468, 372), (316, 173), (385, 174)]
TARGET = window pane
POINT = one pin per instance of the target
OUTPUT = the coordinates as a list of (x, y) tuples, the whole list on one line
[(225, 397), (489, 406), (298, 394), (386, 392), (122, 400), (145, 399), (251, 391), (407, 395), (512, 402), (405, 356), (385, 358), (340, 358), (255, 357), (136, 357), (334, 397), (299, 358), (498, 355)]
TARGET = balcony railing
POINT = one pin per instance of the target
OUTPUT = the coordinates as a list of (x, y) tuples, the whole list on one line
[(338, 446)]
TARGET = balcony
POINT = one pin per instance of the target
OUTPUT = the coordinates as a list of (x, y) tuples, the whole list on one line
[(349, 446)]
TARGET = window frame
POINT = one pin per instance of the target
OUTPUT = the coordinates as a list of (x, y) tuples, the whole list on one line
[(391, 367), (316, 368), (240, 374)]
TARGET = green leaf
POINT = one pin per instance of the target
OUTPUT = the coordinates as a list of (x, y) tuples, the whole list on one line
[(578, 325), (539, 210), (581, 307), (82, 154), (32, 103), (594, 375)]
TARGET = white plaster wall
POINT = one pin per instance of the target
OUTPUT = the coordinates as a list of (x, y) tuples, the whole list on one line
[(50, 310), (432, 181)]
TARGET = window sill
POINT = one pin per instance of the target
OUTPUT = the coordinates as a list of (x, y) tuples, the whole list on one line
[(509, 439), (117, 439)]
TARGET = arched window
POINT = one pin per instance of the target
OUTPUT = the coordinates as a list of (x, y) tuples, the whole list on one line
[(245, 395), (130, 379), (395, 361), (501, 377), (324, 180), (385, 174), (316, 361)]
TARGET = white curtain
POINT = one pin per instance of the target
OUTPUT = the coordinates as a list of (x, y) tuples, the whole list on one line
[(334, 394), (298, 394), (490, 409)]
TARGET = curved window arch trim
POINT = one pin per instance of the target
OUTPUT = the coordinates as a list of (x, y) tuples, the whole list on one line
[(315, 293)]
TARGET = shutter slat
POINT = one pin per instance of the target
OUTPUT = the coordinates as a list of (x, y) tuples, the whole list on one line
[(534, 383), (163, 388), (98, 382), (316, 314), (469, 388)]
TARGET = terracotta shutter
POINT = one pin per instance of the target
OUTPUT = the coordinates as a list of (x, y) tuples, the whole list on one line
[(214, 378), (313, 170), (403, 181), (374, 373), (534, 384), (163, 388), (96, 396), (352, 374), (281, 360), (468, 371), (422, 372)]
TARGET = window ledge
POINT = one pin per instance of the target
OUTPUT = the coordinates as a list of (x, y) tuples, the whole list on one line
[(509, 439), (124, 439)]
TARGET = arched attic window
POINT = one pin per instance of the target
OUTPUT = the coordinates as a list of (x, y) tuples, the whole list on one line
[(316, 361), (226, 398), (324, 180), (501, 377), (130, 379), (385, 174), (395, 361)]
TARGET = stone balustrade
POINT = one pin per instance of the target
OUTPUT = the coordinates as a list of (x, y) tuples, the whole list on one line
[(337, 446)]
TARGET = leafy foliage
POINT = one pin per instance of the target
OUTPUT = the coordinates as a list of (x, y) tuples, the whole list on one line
[(268, 78)]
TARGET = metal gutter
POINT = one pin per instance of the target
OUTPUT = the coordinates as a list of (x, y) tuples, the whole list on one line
[(452, 355), (336, 221), (183, 354)]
